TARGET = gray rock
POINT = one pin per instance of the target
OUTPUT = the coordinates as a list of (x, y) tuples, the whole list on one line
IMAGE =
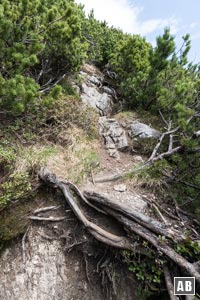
[(83, 73), (94, 80), (138, 158), (107, 90), (114, 153), (140, 130), (113, 133), (110, 146), (120, 188), (92, 97)]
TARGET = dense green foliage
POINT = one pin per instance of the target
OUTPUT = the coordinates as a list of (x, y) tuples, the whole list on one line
[(130, 61), (44, 40), (40, 42), (101, 39), (162, 81)]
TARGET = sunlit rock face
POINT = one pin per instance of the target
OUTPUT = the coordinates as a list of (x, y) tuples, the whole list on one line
[(44, 271)]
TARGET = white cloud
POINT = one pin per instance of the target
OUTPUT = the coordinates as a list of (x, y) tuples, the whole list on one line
[(122, 14), (152, 25), (193, 25), (195, 36)]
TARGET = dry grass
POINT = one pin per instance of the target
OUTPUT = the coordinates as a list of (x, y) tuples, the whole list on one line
[(89, 69), (126, 116), (148, 179), (141, 116), (31, 157), (72, 161), (147, 182)]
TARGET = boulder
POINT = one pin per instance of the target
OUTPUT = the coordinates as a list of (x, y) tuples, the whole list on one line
[(102, 102), (140, 130), (107, 90), (93, 93)]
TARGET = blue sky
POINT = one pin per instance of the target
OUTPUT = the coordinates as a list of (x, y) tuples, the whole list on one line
[(150, 17)]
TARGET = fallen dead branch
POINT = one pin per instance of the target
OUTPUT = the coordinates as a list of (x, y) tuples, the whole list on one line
[(132, 221), (111, 177), (160, 214)]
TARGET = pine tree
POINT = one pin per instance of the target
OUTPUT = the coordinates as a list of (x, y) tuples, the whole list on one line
[(40, 41), (130, 61), (102, 39)]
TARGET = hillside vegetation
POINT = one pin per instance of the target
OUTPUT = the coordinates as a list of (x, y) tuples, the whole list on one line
[(44, 41), (43, 45)]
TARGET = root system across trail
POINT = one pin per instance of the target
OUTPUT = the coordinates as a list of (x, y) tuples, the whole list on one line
[(160, 235)]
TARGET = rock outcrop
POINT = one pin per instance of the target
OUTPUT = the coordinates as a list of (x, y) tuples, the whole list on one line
[(102, 102), (114, 136), (118, 138), (94, 94), (140, 130)]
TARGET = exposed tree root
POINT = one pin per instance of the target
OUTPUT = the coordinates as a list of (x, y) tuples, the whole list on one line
[(169, 284), (136, 216), (132, 221)]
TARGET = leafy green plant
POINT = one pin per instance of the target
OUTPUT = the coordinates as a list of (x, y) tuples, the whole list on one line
[(91, 161), (7, 155), (189, 249), (147, 269), (102, 40)]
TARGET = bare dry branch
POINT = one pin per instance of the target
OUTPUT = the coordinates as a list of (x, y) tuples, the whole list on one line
[(24, 244)]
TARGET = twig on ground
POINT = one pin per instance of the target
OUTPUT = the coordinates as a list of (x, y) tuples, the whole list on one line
[(160, 214)]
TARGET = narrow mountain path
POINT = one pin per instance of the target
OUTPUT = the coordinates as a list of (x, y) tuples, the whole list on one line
[(114, 151), (121, 190)]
